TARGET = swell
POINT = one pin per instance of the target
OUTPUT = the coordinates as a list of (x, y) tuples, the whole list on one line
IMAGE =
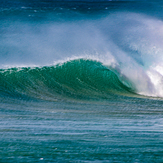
[(76, 79)]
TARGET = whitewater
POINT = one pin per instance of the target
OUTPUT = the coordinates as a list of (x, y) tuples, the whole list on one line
[(81, 81)]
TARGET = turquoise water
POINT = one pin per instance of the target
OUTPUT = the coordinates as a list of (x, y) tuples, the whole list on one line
[(121, 130), (77, 79), (81, 81)]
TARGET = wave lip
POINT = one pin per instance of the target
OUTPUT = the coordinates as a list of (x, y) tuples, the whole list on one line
[(75, 79)]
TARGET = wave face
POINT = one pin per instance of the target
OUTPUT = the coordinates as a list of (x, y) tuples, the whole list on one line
[(78, 79), (120, 40)]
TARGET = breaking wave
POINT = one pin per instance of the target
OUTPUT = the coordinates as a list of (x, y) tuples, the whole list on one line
[(90, 56)]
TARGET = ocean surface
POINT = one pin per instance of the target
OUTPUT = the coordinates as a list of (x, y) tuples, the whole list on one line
[(81, 81)]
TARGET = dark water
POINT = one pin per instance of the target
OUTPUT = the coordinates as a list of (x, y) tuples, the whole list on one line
[(81, 81)]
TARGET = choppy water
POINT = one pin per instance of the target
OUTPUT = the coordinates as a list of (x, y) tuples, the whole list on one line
[(81, 81)]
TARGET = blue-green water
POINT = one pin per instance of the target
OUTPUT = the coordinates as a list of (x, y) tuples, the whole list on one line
[(81, 81)]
